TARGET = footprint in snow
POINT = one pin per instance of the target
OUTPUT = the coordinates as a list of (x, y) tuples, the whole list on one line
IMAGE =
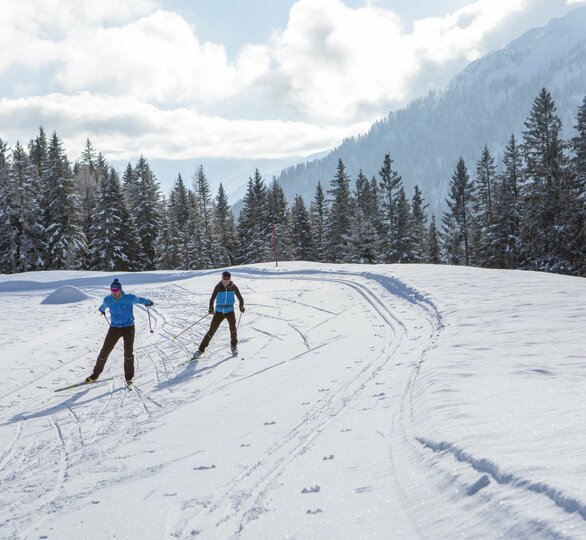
[(270, 423), (379, 395), (316, 511), (204, 467), (331, 456), (312, 489), (323, 389), (243, 445), (345, 430)]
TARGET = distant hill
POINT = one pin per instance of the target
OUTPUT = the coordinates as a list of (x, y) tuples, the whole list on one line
[(484, 104)]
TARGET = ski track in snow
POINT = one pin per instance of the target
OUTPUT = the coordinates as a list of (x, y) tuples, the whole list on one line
[(54, 438)]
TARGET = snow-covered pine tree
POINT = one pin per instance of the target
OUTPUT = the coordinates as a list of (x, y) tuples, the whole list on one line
[(458, 219), (390, 184), (166, 246), (253, 226), (146, 210), (8, 247), (483, 234), (546, 174), (27, 217), (301, 238), (319, 216), (339, 221), (364, 238), (204, 198), (66, 242), (576, 212), (278, 216), (176, 240), (418, 227), (434, 252), (194, 254), (403, 241), (111, 237), (505, 233), (225, 230), (88, 173)]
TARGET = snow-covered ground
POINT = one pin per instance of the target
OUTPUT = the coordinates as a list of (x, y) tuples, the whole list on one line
[(367, 402)]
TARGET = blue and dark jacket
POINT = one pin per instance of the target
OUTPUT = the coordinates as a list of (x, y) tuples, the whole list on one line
[(121, 314), (224, 297)]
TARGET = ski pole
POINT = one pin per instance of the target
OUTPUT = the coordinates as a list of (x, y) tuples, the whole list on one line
[(239, 317), (191, 325), (106, 317), (149, 312)]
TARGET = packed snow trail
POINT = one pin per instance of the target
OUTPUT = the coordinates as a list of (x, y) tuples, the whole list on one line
[(355, 412)]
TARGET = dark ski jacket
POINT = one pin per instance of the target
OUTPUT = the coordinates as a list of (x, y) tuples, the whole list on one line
[(224, 297)]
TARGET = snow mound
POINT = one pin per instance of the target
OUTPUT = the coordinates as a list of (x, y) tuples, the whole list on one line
[(65, 295)]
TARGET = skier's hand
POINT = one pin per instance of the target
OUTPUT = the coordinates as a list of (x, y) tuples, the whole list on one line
[(102, 313), (149, 304), (211, 311), (242, 309)]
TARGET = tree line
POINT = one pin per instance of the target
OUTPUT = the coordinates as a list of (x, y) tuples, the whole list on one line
[(529, 213)]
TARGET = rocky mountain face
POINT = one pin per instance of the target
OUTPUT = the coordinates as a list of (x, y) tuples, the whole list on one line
[(484, 105)]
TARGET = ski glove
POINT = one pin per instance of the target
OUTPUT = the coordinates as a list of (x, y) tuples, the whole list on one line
[(242, 309), (101, 312), (211, 311), (151, 303)]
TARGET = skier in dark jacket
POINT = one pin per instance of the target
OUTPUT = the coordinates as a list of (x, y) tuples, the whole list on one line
[(224, 293), (121, 326)]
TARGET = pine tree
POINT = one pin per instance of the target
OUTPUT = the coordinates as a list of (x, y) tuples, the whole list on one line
[(340, 216), (484, 210), (8, 247), (544, 233), (364, 239), (225, 230), (146, 210), (166, 247), (390, 184), (177, 255), (418, 227), (26, 220), (575, 211), (112, 240), (196, 260), (403, 247), (301, 239), (253, 226), (433, 254), (204, 198), (278, 219), (458, 219), (319, 217), (65, 239), (505, 233)]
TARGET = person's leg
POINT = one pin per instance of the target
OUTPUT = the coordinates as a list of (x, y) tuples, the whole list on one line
[(112, 338), (128, 335), (216, 320), (232, 322)]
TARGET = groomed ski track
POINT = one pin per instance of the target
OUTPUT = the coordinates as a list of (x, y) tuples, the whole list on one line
[(293, 406)]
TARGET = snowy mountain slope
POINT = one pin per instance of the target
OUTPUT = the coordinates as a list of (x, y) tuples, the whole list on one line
[(484, 105), (368, 401)]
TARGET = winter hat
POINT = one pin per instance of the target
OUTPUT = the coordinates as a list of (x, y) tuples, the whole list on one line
[(226, 274), (116, 285)]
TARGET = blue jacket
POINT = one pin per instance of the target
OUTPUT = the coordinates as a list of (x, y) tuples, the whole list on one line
[(224, 297), (121, 310)]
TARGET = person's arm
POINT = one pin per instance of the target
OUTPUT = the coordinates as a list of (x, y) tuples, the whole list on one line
[(102, 308), (140, 300), (213, 297), (239, 296)]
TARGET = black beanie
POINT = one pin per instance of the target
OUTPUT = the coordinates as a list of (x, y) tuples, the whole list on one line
[(116, 285), (226, 274)]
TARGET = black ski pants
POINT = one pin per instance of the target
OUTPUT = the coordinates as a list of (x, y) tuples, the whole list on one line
[(112, 337), (216, 321)]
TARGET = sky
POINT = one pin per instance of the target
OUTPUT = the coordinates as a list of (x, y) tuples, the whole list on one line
[(270, 79), (384, 401)]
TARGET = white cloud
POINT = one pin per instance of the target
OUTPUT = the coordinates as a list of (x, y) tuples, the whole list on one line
[(339, 60), (124, 127)]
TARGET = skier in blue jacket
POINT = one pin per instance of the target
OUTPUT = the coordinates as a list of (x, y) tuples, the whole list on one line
[(223, 293), (121, 326)]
